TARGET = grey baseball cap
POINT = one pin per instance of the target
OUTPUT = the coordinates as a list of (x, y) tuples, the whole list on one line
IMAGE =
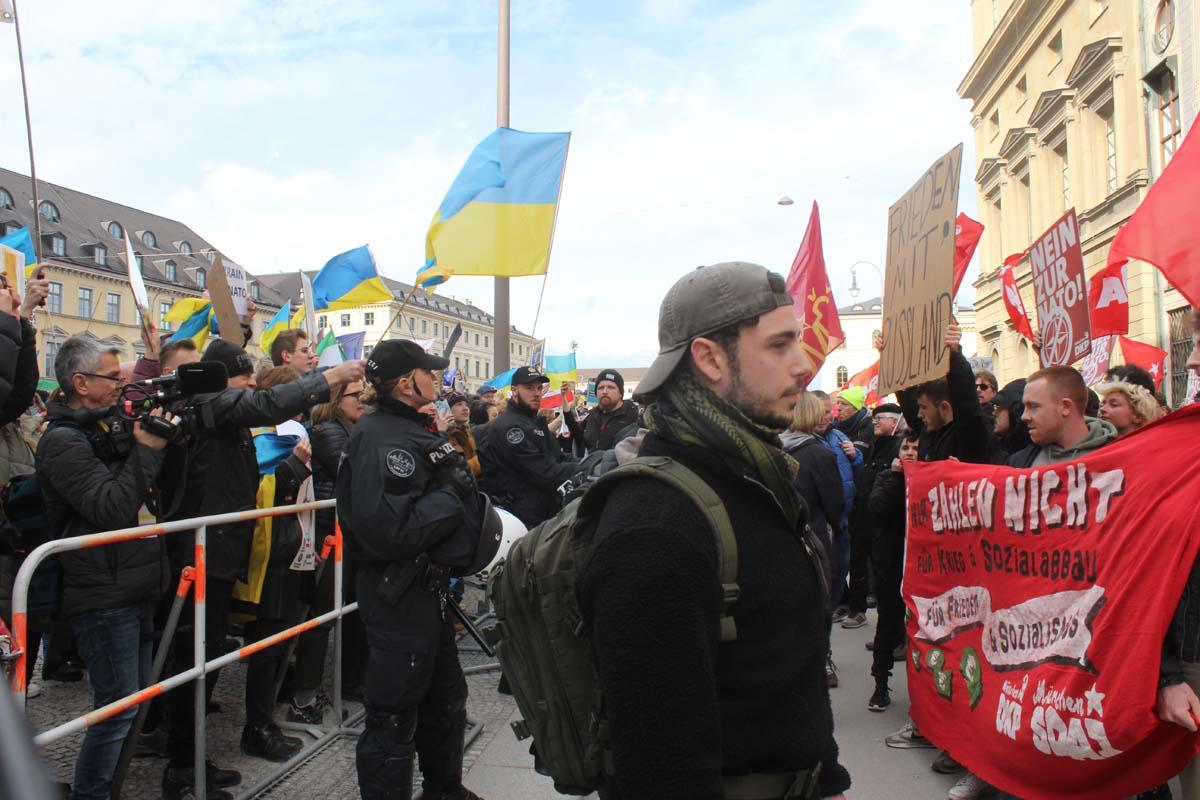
[(704, 301)]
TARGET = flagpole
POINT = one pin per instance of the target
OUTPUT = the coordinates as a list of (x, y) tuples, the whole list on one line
[(395, 317), (37, 212), (501, 297)]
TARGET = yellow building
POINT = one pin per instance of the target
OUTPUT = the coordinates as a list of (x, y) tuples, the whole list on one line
[(1068, 112)]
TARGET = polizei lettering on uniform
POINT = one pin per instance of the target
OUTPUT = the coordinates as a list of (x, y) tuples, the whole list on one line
[(1054, 497)]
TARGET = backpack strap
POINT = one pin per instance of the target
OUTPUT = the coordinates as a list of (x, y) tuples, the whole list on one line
[(683, 479)]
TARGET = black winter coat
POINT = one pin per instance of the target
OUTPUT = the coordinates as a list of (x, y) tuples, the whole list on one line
[(282, 587), (523, 465), (859, 429), (820, 484), (222, 468), (877, 460), (85, 493), (968, 437), (886, 506), (18, 366), (329, 440), (601, 431), (684, 709)]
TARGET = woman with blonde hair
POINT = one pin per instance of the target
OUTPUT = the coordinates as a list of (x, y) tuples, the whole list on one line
[(1127, 406)]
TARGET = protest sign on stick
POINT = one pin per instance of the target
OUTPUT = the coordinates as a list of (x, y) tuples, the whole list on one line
[(1037, 604), (13, 262), (235, 276), (918, 296), (228, 319), (1060, 291)]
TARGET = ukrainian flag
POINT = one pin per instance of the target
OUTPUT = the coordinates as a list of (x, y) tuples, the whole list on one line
[(502, 383), (349, 280), (196, 317), (560, 369), (498, 217), (22, 241), (278, 324), (298, 317)]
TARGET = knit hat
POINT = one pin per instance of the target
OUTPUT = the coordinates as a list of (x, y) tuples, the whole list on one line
[(611, 375), (887, 408), (456, 398), (854, 395), (233, 357)]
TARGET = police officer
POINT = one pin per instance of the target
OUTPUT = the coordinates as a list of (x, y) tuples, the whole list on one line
[(414, 518), (522, 462)]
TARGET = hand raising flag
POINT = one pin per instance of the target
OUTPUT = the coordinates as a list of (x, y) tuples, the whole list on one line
[(808, 284)]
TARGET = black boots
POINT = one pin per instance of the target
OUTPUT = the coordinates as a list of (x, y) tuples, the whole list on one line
[(267, 741)]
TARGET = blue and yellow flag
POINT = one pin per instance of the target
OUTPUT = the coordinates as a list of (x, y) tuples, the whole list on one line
[(196, 318), (297, 320), (349, 280), (502, 383), (560, 369), (278, 324), (498, 217), (22, 241)]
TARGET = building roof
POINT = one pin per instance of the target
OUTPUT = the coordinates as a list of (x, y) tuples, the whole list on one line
[(287, 284), (84, 220)]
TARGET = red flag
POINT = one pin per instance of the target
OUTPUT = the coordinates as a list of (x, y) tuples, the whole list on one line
[(1163, 230), (1014, 259), (1108, 300), (1014, 304), (554, 400), (967, 233), (808, 284), (1146, 356), (869, 380)]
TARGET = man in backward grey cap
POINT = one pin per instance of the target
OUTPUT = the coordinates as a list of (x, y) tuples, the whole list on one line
[(691, 713)]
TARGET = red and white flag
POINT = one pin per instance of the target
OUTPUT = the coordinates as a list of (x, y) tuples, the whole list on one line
[(967, 233), (1108, 300), (1146, 356), (808, 284), (1163, 230), (869, 380), (1014, 304)]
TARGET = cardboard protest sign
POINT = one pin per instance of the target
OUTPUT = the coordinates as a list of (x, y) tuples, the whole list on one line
[(1056, 261), (1038, 600), (13, 263), (136, 282), (1095, 366), (918, 295), (228, 319), (235, 276)]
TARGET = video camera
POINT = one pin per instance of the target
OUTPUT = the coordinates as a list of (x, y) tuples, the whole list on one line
[(171, 393)]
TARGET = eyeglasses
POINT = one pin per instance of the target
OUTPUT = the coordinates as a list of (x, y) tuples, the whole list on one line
[(355, 395), (118, 377), (983, 387)]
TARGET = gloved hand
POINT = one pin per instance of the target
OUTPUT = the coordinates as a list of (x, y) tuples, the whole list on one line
[(455, 474)]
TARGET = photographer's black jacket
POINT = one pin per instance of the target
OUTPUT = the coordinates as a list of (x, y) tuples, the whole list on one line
[(391, 501), (89, 487), (18, 366), (222, 469), (523, 465)]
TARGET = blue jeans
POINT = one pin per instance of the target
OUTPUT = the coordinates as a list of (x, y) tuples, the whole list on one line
[(115, 645)]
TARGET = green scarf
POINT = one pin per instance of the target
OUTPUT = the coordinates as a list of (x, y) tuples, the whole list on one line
[(690, 413)]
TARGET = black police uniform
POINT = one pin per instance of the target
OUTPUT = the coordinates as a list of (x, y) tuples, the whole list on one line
[(523, 464), (412, 514)]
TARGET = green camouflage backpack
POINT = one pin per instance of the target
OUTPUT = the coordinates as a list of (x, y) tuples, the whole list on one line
[(539, 633)]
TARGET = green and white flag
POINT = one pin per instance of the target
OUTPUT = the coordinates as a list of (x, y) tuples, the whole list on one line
[(329, 351)]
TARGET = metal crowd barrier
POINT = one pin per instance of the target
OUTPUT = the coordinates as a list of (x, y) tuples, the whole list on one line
[(199, 580)]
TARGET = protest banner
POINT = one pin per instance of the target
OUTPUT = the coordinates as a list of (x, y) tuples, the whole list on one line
[(235, 276), (1095, 366), (918, 296), (1038, 601), (1059, 291), (228, 319)]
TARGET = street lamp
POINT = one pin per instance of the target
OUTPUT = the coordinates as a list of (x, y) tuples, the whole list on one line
[(785, 201), (854, 290)]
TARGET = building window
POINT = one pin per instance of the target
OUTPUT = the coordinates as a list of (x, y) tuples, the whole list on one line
[(1169, 129), (367, 350), (477, 340), (163, 323), (115, 230), (51, 354), (487, 368), (48, 211), (83, 306), (254, 292), (149, 239), (202, 278), (456, 364), (54, 299), (185, 248), (211, 255), (322, 321), (843, 375), (1164, 25), (1022, 91), (994, 123), (435, 329), (169, 271), (1110, 149), (1056, 49), (520, 349), (369, 318), (100, 254), (344, 321), (486, 342), (1065, 169), (1180, 326), (114, 307), (58, 245), (477, 375), (6, 200), (424, 326)]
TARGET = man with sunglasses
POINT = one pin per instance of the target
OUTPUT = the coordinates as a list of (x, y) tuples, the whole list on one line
[(93, 479), (291, 348), (985, 389)]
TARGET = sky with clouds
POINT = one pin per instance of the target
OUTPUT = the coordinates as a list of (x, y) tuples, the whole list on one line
[(286, 131)]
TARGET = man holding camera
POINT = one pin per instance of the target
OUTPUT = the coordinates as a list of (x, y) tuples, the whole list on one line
[(217, 473), (95, 477), (414, 517)]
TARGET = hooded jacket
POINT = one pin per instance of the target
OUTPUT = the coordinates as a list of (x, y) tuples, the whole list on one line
[(1099, 434), (1016, 438)]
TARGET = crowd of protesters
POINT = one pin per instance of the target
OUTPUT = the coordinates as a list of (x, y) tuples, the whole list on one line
[(279, 434)]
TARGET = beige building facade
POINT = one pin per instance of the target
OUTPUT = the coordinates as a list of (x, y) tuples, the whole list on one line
[(1067, 113)]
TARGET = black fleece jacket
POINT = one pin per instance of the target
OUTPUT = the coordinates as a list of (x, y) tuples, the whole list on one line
[(967, 438), (685, 709)]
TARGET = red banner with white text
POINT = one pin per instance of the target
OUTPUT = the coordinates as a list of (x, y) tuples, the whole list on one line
[(1038, 600)]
